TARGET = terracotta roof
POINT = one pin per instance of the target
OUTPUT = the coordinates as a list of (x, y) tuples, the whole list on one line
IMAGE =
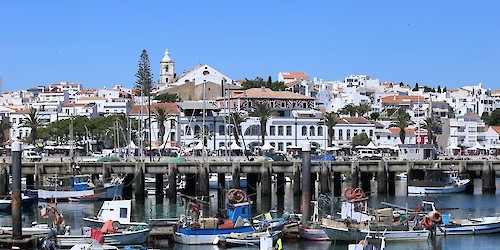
[(87, 91), (73, 104), (170, 108), (91, 98), (496, 129), (403, 99), (52, 93), (22, 111), (409, 131), (289, 84), (265, 93), (354, 120), (294, 75)]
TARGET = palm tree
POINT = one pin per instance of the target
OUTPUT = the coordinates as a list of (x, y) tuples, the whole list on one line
[(432, 126), (362, 109), (236, 119), (33, 121), (348, 109), (161, 116), (330, 120), (263, 112), (402, 121), (4, 125)]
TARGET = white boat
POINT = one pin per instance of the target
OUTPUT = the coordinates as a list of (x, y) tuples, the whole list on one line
[(42, 229), (367, 243), (117, 211), (442, 182), (213, 181), (91, 244)]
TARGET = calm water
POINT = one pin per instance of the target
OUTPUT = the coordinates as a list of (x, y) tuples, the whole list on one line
[(460, 205)]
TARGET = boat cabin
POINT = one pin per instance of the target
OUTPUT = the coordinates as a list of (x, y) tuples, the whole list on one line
[(242, 209), (117, 210), (71, 182)]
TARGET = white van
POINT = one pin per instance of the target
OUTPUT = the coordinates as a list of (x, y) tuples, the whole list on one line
[(369, 154), (31, 155)]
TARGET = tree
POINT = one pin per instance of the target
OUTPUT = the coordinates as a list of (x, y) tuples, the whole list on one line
[(167, 97), (445, 90), (4, 125), (33, 121), (439, 89), (485, 116), (432, 126), (402, 121), (360, 140), (374, 115), (416, 87), (263, 112), (144, 82), (236, 119), (349, 109), (259, 83), (494, 118), (161, 116), (362, 109), (330, 119)]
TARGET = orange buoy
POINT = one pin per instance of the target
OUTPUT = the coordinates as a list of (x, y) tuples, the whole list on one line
[(348, 192), (358, 193)]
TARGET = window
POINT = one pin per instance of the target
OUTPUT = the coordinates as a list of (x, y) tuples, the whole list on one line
[(272, 130), (123, 212), (355, 132), (253, 130), (304, 131), (280, 146), (197, 129), (311, 131), (188, 130), (371, 133), (280, 130), (288, 130), (341, 136), (320, 131), (222, 130), (348, 134)]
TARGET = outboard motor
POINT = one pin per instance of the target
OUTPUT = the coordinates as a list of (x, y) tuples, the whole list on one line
[(47, 242)]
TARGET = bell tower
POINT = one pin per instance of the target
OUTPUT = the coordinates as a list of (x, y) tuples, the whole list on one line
[(167, 73)]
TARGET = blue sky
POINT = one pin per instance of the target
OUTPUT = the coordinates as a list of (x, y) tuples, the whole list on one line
[(98, 43)]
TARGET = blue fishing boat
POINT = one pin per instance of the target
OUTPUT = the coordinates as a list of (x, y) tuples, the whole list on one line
[(204, 231)]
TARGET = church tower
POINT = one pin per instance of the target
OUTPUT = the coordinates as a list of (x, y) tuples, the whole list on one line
[(167, 73)]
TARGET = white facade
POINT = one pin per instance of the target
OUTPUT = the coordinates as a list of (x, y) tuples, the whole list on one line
[(466, 131), (203, 73)]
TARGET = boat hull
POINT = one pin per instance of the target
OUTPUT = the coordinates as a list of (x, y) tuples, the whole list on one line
[(437, 190), (313, 234), (207, 236), (104, 193), (123, 238), (355, 235), (485, 225)]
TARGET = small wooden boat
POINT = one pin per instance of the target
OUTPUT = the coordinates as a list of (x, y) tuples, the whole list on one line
[(248, 239), (313, 230), (134, 235)]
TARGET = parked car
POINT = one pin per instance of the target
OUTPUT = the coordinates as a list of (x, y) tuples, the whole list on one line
[(369, 154), (31, 155)]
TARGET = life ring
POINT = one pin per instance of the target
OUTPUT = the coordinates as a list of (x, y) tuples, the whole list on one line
[(358, 193), (436, 217), (348, 192), (194, 207), (236, 195), (426, 222)]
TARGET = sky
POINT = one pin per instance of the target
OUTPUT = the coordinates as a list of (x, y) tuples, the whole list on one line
[(98, 43)]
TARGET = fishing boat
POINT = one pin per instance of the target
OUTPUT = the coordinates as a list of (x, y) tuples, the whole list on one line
[(313, 230), (26, 203), (92, 244), (469, 226), (367, 244), (199, 231), (118, 211), (77, 187), (357, 221), (133, 235), (438, 182), (248, 239)]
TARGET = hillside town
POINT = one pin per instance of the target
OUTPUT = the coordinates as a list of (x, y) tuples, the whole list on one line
[(216, 115)]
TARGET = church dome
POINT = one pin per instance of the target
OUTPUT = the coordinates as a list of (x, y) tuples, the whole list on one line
[(166, 57)]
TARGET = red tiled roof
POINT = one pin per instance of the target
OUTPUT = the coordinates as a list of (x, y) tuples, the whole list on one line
[(294, 75), (170, 108), (289, 84), (496, 129)]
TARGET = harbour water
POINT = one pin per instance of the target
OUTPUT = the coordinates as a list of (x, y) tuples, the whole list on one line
[(458, 205)]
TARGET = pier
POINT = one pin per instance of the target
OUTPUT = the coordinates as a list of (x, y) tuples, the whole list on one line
[(328, 173)]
